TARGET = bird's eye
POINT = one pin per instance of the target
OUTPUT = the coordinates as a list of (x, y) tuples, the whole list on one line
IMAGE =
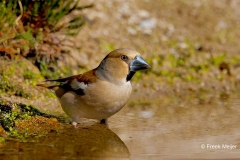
[(124, 57)]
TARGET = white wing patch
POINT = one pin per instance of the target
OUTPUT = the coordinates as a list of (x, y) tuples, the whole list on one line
[(78, 85)]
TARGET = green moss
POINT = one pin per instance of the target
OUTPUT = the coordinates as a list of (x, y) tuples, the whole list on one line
[(216, 60), (30, 77), (2, 139), (140, 102), (52, 71), (199, 67), (7, 20), (12, 78), (12, 113), (176, 61), (108, 47), (8, 119), (49, 94), (137, 77), (6, 87)]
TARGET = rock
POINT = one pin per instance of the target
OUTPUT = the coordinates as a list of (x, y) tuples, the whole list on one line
[(143, 13), (147, 25), (131, 30), (36, 125), (3, 133)]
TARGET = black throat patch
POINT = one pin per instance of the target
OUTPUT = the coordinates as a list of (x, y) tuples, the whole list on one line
[(130, 75)]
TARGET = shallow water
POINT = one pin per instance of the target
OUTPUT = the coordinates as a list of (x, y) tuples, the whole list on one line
[(169, 128)]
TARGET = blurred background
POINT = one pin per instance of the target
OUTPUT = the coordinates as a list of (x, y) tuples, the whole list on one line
[(192, 46)]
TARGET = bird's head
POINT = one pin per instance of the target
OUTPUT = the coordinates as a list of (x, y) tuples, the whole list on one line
[(122, 64)]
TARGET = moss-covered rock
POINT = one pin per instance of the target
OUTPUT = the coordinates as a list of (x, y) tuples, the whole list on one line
[(37, 125), (20, 120), (3, 133)]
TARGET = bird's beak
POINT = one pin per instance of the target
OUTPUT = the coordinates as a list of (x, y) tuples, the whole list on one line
[(139, 64)]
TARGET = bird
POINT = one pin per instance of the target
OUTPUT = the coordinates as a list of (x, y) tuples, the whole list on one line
[(101, 92)]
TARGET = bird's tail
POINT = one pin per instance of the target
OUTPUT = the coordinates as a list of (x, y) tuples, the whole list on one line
[(49, 86)]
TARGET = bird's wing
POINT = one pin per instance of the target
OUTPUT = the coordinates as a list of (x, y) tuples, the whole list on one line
[(76, 83)]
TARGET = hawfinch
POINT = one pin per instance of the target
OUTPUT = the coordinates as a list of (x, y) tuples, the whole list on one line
[(101, 92)]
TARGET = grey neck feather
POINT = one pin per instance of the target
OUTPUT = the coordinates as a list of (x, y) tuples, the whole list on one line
[(102, 73)]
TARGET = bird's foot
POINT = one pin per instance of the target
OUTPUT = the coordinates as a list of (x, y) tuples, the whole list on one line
[(75, 125), (104, 122)]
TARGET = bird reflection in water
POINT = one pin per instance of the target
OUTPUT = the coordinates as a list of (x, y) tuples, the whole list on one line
[(92, 142)]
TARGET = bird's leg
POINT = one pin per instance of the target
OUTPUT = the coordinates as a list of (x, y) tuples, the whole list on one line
[(104, 121)]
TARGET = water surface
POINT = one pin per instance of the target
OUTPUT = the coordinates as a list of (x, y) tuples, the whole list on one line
[(169, 127)]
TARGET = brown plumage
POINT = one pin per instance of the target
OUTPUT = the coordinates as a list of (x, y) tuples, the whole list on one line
[(101, 92)]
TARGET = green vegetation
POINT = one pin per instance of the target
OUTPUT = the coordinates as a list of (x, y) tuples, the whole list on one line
[(33, 22), (108, 47), (13, 115), (189, 63), (50, 70), (33, 29), (30, 35), (10, 113), (8, 87), (140, 103), (2, 139), (17, 71)]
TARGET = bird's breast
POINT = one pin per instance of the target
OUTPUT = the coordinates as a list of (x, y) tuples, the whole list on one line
[(108, 97), (100, 100)]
